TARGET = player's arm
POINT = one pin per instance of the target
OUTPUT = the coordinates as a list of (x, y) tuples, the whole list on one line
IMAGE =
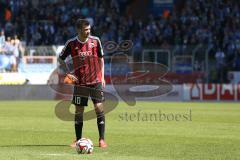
[(103, 79), (100, 55), (63, 66)]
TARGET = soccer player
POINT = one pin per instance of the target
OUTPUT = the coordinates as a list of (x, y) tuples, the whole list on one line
[(88, 76)]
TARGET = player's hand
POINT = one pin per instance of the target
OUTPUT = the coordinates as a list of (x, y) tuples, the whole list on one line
[(70, 79), (103, 83)]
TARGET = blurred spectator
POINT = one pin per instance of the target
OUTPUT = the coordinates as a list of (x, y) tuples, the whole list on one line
[(220, 62), (237, 62), (2, 39), (8, 14), (16, 51), (10, 49), (220, 56)]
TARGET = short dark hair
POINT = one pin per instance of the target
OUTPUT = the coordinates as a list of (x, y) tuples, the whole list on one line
[(82, 22)]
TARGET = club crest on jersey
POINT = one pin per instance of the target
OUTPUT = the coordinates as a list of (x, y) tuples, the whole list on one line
[(91, 45)]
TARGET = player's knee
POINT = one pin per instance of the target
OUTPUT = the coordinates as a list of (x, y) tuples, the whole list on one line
[(79, 115), (98, 107), (79, 110)]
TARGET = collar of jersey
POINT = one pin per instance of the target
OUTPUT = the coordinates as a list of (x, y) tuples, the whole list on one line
[(82, 41)]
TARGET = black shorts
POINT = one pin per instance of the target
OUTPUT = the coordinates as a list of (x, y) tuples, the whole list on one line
[(81, 94)]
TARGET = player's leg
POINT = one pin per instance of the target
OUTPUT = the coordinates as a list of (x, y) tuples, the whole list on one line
[(98, 98), (100, 119), (78, 125), (100, 123), (80, 100), (79, 110)]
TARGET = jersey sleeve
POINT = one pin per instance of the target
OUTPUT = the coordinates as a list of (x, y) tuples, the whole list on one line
[(66, 51), (100, 49)]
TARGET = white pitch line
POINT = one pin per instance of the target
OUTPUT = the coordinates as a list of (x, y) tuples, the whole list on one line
[(56, 154)]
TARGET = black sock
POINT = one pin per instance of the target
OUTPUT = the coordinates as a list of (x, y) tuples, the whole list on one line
[(101, 124), (78, 125)]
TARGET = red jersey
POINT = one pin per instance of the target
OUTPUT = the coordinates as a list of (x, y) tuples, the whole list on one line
[(86, 57)]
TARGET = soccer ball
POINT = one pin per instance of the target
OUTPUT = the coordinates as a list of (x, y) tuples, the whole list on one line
[(84, 146)]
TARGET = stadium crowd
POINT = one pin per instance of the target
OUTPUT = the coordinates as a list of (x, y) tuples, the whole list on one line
[(213, 23)]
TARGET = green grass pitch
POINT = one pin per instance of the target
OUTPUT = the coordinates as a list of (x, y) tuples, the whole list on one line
[(29, 130)]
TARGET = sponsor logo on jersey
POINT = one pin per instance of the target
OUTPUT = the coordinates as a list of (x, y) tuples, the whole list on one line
[(85, 53)]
